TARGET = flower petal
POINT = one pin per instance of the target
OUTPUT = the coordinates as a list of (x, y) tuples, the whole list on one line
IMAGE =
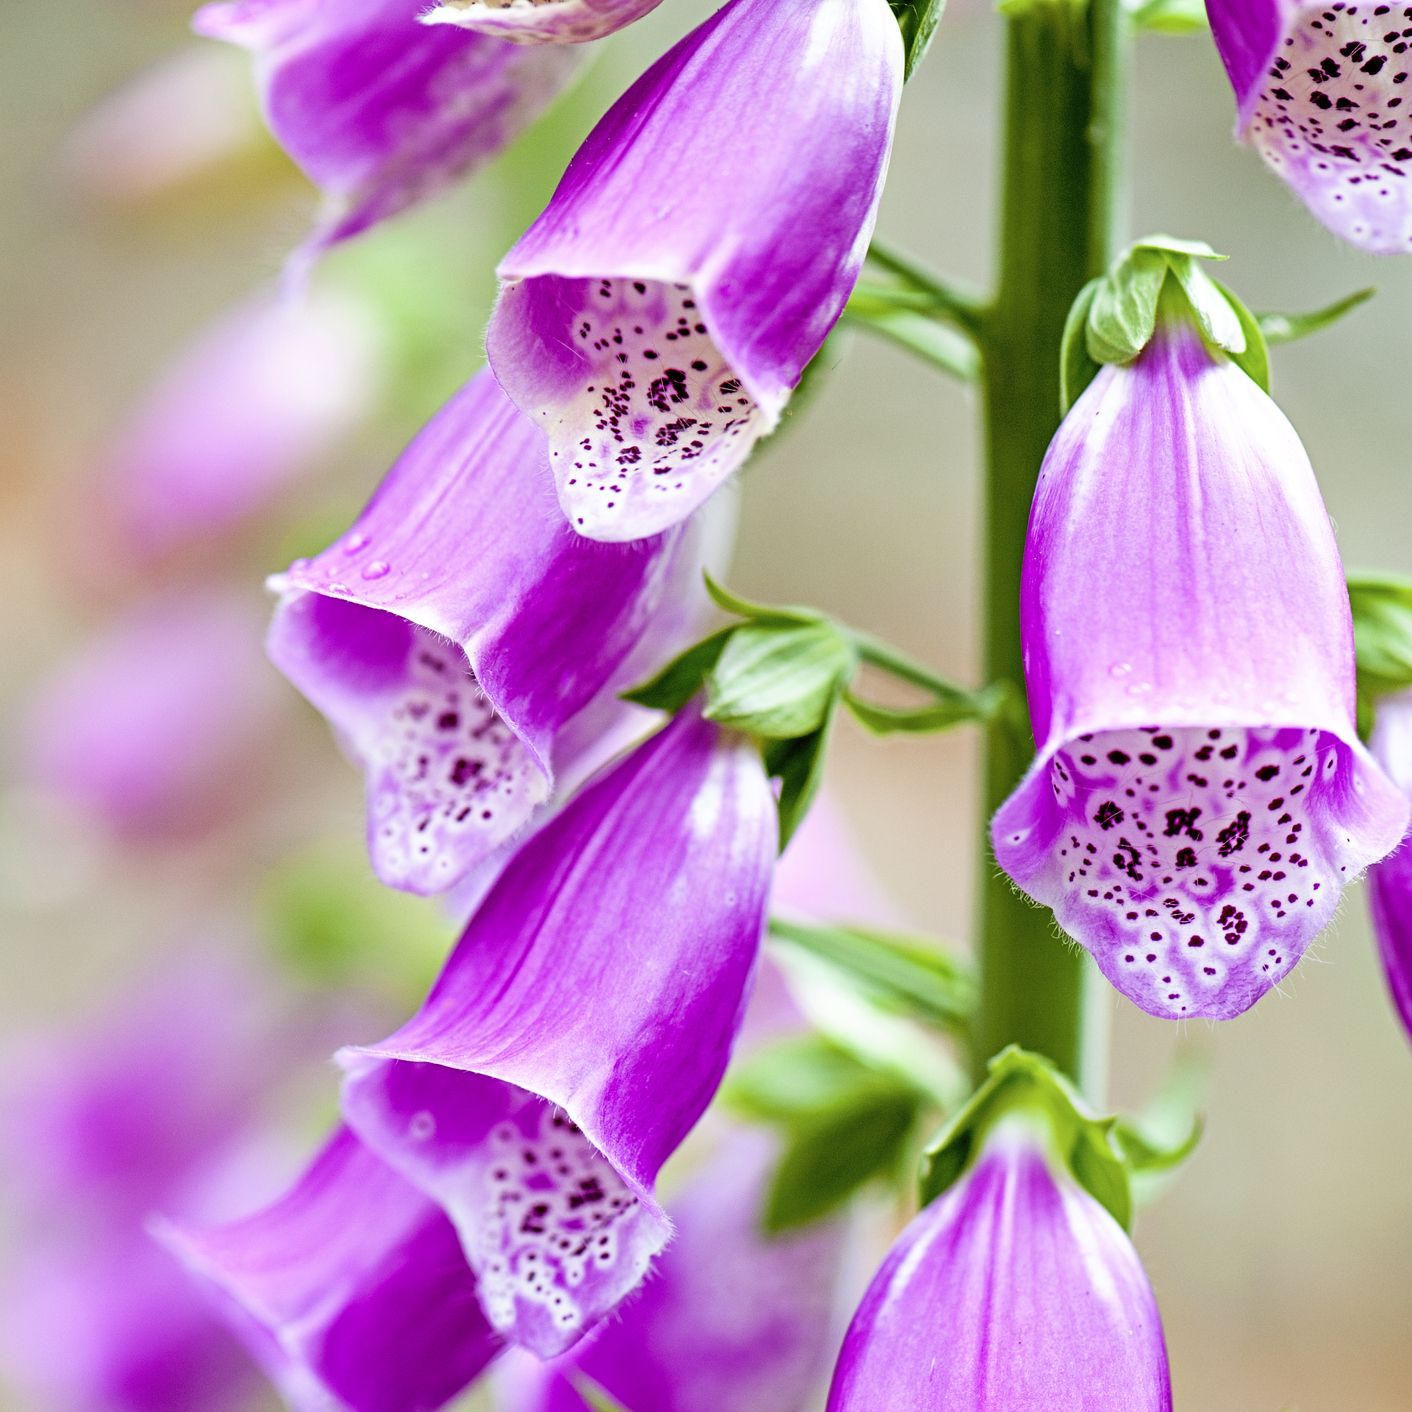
[(579, 1030), (541, 21), (698, 250), (1390, 881), (1201, 796)]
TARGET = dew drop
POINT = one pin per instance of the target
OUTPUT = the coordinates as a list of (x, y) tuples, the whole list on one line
[(377, 569)]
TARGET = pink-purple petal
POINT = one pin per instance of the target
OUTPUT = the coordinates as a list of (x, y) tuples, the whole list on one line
[(541, 21), (1390, 881)]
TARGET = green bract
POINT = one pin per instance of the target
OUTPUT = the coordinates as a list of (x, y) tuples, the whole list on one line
[(1382, 634)]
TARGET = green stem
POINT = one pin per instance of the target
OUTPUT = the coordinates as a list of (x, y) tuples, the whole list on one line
[(1064, 104), (962, 306)]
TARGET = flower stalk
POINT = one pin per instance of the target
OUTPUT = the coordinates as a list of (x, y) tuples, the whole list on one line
[(1065, 92)]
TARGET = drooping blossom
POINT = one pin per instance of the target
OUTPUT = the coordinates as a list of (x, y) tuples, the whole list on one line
[(153, 1104), (1013, 1291), (699, 248), (732, 1320), (1200, 797), (254, 404), (458, 630), (580, 1029), (350, 1290), (541, 21), (151, 730), (1390, 881), (1320, 93), (378, 110)]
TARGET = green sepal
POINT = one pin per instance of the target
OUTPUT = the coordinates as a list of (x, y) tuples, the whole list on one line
[(729, 602), (595, 1397), (1020, 1083), (917, 19), (1254, 358), (1382, 636), (900, 974), (779, 682), (798, 764), (951, 707), (842, 1124), (682, 677), (1122, 315), (1146, 1156), (1076, 366), (1170, 16), (1286, 328)]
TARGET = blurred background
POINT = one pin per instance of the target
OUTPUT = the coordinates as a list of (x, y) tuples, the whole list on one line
[(1282, 1257)]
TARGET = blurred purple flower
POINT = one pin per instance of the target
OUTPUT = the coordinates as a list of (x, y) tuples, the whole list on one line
[(698, 250), (1319, 89), (255, 403), (1390, 881), (455, 634), (579, 1030), (1014, 1291), (541, 21), (350, 1290), (1200, 797), (148, 729), (378, 110), (732, 1320)]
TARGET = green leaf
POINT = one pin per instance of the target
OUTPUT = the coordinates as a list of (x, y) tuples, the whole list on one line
[(953, 707), (917, 19), (1077, 367), (682, 677), (1123, 314), (793, 1080), (1170, 16), (920, 333), (798, 764), (596, 1398), (906, 975), (1254, 359), (1027, 1086), (779, 682), (724, 599), (1146, 1155), (1285, 328), (1382, 632)]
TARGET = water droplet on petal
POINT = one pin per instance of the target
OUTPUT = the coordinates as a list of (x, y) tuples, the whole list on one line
[(377, 569), (1120, 669), (339, 588), (355, 542)]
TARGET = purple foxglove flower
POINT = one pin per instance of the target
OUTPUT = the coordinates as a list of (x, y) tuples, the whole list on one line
[(146, 728), (1320, 92), (1390, 881), (255, 403), (541, 21), (1200, 797), (699, 248), (580, 1029), (351, 1290), (732, 1320), (379, 111), (1013, 1291), (455, 632)]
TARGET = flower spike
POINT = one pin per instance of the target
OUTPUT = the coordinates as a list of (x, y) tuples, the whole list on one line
[(579, 1030), (699, 248), (1320, 93), (1200, 797), (381, 112), (541, 21), (458, 629)]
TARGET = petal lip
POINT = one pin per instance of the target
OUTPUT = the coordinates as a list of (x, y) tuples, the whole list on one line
[(603, 977), (541, 21), (1390, 881), (1176, 520), (820, 84)]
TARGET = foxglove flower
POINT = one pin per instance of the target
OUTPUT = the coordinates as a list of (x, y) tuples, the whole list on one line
[(1320, 92), (379, 111), (733, 1320), (350, 1290), (1390, 882), (580, 1029), (1200, 797), (541, 21), (455, 632), (145, 729), (699, 248), (1013, 1291), (254, 404)]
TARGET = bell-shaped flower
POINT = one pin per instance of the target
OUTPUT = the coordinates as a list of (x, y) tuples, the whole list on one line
[(1200, 797), (155, 728), (1320, 92), (350, 1290), (458, 629), (1015, 1290), (697, 252), (580, 1029), (378, 110), (733, 1320), (541, 21), (255, 403), (1390, 881)]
